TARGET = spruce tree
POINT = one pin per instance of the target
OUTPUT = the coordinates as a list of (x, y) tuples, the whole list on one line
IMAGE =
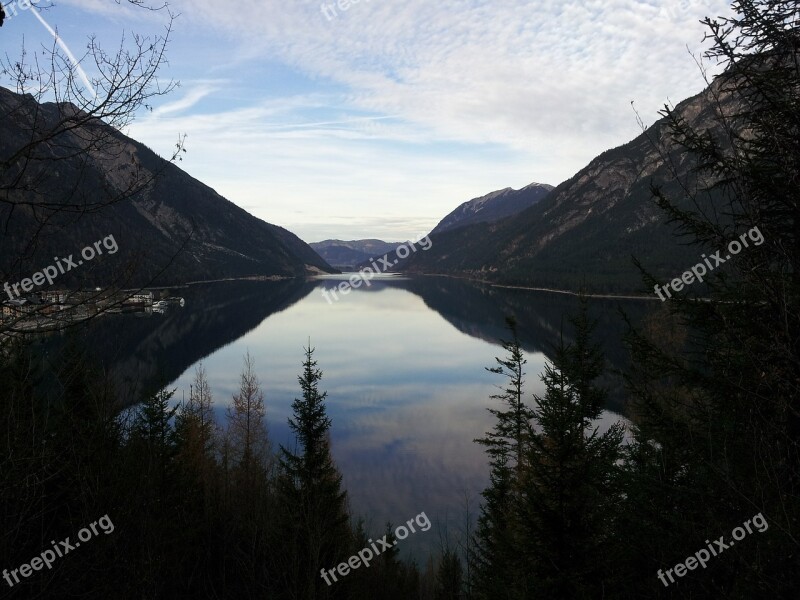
[(568, 487), (449, 577), (718, 419), (495, 557), (154, 532), (314, 505)]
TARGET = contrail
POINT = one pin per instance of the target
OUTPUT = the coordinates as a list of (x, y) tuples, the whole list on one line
[(67, 51)]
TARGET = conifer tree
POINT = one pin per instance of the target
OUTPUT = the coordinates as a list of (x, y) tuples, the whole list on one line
[(568, 487), (154, 430), (495, 557), (314, 504), (247, 427), (449, 577), (150, 470), (718, 420), (195, 431)]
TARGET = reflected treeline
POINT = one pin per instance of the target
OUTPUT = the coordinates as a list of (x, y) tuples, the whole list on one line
[(479, 310), (144, 351)]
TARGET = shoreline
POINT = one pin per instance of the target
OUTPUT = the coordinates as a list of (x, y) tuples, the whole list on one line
[(538, 289)]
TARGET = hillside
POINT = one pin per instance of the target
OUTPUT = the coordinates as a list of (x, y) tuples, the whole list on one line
[(170, 227), (587, 229), (349, 254), (493, 207)]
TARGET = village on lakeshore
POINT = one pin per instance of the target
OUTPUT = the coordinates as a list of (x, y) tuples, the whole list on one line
[(44, 309)]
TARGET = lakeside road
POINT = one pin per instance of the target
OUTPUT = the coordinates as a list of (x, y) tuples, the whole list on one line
[(570, 293), (539, 289)]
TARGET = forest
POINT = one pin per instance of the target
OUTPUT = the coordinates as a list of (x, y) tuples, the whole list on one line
[(696, 496)]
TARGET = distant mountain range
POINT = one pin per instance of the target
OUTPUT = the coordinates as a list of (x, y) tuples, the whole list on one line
[(350, 254), (585, 231), (486, 209), (174, 229)]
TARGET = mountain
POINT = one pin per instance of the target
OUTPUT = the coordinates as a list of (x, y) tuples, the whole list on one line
[(141, 351), (493, 207), (349, 254), (170, 228), (586, 230)]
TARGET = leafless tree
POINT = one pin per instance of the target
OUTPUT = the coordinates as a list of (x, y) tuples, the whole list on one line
[(63, 126)]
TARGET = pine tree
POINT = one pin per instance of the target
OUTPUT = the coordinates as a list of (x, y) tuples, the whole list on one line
[(197, 472), (718, 420), (150, 469), (449, 577), (247, 427), (310, 488), (512, 423), (200, 409), (248, 489), (495, 557), (153, 428), (195, 431), (568, 486)]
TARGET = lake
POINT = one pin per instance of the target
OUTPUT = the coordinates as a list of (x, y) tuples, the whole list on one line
[(404, 367)]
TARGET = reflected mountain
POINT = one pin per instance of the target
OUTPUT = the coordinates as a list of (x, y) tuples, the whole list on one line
[(403, 362), (143, 351), (479, 310)]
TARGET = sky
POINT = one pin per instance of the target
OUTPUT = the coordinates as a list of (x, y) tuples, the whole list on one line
[(376, 118)]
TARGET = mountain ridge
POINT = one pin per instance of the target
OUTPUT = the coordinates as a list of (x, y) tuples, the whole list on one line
[(493, 206), (584, 232), (171, 228), (350, 254)]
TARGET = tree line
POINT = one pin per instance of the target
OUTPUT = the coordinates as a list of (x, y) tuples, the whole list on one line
[(200, 510), (572, 510)]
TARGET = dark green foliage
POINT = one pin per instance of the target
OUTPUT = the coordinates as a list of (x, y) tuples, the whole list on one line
[(312, 501), (714, 386), (496, 554), (547, 521), (185, 525), (718, 411), (569, 487), (510, 434), (569, 513), (449, 579), (58, 436)]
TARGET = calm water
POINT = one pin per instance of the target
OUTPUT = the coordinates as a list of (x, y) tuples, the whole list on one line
[(403, 364)]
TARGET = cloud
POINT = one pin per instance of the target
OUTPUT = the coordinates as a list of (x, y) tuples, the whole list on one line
[(418, 102), (348, 174), (511, 72), (189, 99)]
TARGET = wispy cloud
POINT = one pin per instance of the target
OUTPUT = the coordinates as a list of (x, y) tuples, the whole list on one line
[(61, 44), (189, 99), (410, 105)]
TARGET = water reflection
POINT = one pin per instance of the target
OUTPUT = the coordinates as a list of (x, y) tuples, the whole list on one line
[(403, 363)]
